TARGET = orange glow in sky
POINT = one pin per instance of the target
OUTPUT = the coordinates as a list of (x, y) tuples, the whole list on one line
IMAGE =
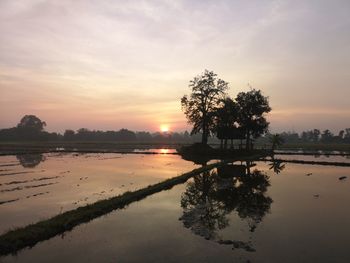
[(64, 62), (164, 128)]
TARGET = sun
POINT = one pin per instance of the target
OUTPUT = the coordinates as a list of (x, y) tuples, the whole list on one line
[(164, 128)]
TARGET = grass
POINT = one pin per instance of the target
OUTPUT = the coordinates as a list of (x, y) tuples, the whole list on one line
[(343, 164), (28, 236), (312, 153), (316, 146)]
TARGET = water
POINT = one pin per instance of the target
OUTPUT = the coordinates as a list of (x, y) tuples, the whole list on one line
[(38, 186), (299, 214)]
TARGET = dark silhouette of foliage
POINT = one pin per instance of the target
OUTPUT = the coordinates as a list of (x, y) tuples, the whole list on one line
[(69, 135), (32, 123), (327, 136), (252, 107), (315, 136), (291, 137), (212, 196), (200, 106), (226, 122), (276, 140), (277, 166), (30, 160), (311, 136), (30, 127)]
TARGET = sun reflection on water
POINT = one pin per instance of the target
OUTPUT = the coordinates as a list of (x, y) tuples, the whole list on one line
[(164, 151)]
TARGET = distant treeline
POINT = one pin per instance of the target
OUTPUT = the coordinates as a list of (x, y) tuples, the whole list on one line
[(126, 135), (316, 136), (31, 128)]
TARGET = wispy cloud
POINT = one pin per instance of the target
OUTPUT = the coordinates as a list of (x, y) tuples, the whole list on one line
[(111, 59)]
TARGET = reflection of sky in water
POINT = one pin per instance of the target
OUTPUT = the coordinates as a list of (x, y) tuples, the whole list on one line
[(45, 185), (157, 150), (306, 221)]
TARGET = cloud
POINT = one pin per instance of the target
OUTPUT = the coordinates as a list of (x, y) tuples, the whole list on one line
[(98, 58)]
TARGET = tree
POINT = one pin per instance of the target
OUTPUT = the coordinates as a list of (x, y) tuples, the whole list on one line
[(252, 106), (211, 197), (30, 160), (69, 135), (276, 140), (315, 135), (225, 119), (31, 122), (199, 107), (326, 136), (347, 135)]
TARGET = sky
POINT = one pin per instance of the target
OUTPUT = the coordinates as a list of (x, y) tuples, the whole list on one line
[(125, 64)]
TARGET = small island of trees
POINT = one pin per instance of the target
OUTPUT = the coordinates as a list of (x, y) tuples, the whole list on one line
[(211, 111)]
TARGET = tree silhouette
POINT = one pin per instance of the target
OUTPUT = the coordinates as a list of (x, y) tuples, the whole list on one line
[(211, 197), (327, 136), (69, 135), (252, 106), (199, 107), (30, 127), (31, 122), (276, 140), (30, 160), (277, 166), (225, 119), (311, 136)]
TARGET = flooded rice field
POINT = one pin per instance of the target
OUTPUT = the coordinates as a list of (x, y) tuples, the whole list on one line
[(242, 212), (38, 186)]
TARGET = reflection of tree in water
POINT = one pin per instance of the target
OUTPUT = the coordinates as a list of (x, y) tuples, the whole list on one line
[(277, 166), (211, 197), (30, 160), (202, 213)]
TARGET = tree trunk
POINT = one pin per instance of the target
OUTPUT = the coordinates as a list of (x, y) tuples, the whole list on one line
[(204, 134), (204, 138), (247, 141)]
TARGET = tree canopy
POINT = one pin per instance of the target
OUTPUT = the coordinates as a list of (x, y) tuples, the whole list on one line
[(200, 106), (252, 106), (31, 122), (225, 120)]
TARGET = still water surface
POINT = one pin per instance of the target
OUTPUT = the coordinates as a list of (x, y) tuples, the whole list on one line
[(34, 187), (280, 213)]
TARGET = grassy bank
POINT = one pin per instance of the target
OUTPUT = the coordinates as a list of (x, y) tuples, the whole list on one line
[(312, 153), (316, 146), (28, 236), (343, 164)]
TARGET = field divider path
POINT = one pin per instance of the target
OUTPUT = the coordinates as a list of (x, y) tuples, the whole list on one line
[(27, 236), (344, 164)]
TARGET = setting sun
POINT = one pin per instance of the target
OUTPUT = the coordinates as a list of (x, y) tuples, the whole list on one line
[(164, 128)]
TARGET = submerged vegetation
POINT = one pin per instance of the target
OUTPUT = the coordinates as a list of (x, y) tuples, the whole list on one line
[(344, 164)]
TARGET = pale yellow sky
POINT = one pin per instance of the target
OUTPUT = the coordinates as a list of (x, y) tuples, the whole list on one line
[(126, 64)]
